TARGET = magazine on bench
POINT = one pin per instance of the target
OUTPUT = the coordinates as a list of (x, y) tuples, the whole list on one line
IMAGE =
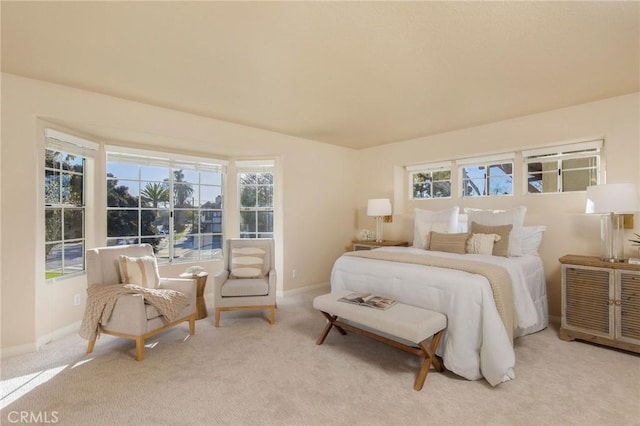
[(369, 300)]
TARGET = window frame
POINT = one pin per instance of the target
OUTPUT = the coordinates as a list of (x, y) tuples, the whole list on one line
[(558, 154), (431, 169), (64, 143), (197, 167), (487, 162), (256, 167)]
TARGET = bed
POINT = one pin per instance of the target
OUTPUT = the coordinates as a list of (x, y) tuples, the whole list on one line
[(476, 343)]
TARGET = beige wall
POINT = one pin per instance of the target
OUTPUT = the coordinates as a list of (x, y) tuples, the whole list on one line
[(314, 197), (616, 120), (322, 193)]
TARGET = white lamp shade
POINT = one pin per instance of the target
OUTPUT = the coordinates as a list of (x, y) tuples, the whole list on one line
[(379, 207), (612, 198)]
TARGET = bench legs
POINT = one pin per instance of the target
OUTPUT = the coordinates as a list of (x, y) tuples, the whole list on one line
[(429, 359), (423, 350), (332, 323)]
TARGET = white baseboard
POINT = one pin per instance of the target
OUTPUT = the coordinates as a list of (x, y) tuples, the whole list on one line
[(18, 350), (59, 333), (304, 289), (42, 340)]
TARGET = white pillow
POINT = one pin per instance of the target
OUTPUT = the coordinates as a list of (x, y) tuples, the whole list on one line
[(463, 224), (425, 221), (142, 271), (513, 217), (247, 262), (532, 238), (482, 243)]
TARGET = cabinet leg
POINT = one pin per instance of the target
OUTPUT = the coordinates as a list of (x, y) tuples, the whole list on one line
[(565, 335)]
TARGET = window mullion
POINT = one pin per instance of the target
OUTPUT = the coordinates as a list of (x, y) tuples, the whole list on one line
[(172, 216)]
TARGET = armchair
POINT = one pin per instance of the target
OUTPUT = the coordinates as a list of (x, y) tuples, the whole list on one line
[(131, 317), (248, 281)]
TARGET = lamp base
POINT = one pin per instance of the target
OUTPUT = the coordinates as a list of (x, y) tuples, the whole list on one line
[(612, 238), (612, 260), (379, 229)]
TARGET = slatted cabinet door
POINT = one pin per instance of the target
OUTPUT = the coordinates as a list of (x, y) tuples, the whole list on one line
[(588, 292), (629, 307)]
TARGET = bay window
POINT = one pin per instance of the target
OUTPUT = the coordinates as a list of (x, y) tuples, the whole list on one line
[(172, 202)]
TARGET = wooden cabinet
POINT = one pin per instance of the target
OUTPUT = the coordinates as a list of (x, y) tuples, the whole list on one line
[(601, 302), (368, 245)]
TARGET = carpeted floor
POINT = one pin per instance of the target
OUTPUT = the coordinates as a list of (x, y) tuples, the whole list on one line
[(247, 372)]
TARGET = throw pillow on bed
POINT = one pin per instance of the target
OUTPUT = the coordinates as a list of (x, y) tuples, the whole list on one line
[(514, 217), (451, 243), (426, 221), (142, 271), (500, 247), (482, 243)]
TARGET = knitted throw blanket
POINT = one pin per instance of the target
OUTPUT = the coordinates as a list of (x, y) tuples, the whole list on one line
[(102, 299), (497, 277)]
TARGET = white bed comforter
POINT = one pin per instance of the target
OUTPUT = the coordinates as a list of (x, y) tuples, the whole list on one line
[(475, 344)]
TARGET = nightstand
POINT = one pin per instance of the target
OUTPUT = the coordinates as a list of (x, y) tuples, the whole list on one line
[(368, 245), (600, 302)]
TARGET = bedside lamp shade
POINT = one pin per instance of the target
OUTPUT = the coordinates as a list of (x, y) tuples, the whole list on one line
[(612, 198), (379, 207), (611, 201)]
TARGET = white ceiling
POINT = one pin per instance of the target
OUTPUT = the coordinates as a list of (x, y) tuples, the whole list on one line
[(356, 74)]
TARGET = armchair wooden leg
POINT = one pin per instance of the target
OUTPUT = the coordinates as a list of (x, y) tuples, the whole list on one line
[(272, 316), (139, 348), (217, 318), (192, 325), (91, 345)]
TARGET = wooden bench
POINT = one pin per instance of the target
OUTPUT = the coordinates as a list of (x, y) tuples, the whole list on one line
[(400, 321)]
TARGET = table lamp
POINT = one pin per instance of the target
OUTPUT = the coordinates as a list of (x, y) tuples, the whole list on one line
[(379, 207), (611, 201)]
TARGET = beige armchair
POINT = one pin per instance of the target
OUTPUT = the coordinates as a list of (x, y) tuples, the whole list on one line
[(131, 317), (248, 281)]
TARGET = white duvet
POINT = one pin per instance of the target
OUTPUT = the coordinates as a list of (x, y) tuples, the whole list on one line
[(475, 343)]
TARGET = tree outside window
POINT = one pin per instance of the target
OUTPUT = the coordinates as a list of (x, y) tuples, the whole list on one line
[(431, 184), (256, 204), (481, 180), (176, 210), (64, 213)]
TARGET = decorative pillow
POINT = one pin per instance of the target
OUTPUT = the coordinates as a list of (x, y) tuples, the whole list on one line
[(142, 271), (532, 238), (247, 262), (500, 247), (513, 217), (451, 243), (482, 243), (439, 221)]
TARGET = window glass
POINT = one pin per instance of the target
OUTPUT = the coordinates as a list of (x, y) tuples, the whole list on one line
[(481, 180), (256, 204), (176, 210), (430, 184), (563, 170), (64, 212)]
